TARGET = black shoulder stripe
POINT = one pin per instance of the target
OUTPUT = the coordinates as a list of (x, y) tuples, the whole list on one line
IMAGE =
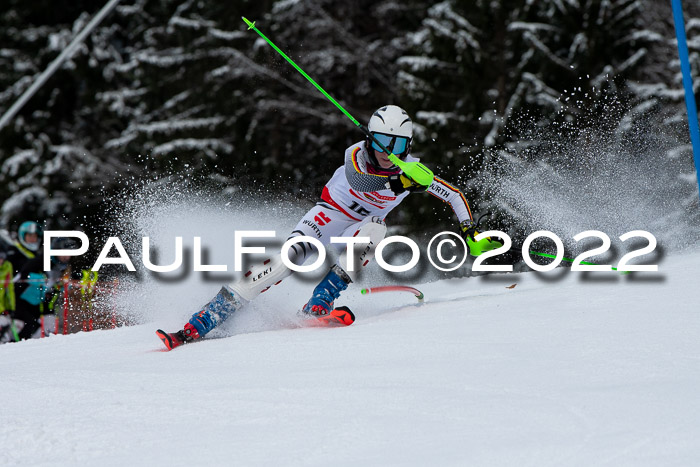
[(327, 206)]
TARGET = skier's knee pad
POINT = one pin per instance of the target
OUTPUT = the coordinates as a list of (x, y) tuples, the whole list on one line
[(364, 252)]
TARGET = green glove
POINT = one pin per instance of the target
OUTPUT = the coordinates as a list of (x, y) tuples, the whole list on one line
[(468, 229)]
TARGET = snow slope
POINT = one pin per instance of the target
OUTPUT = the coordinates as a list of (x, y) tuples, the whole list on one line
[(564, 371)]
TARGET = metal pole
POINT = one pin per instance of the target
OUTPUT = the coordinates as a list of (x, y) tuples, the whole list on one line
[(58, 61), (687, 84)]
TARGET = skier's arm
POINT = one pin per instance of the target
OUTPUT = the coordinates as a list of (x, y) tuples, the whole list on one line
[(452, 196), (358, 178)]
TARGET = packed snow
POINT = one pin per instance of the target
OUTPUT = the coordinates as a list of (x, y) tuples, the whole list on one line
[(563, 369)]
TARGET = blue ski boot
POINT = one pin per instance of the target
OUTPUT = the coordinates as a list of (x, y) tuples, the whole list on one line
[(226, 302), (321, 302), (223, 305)]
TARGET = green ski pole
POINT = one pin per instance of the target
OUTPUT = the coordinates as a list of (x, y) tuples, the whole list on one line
[(418, 172), (569, 260)]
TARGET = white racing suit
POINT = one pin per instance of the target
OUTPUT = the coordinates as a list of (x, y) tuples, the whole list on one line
[(354, 202)]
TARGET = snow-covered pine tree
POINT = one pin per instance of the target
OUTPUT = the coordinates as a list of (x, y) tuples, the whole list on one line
[(486, 77), (659, 103), (50, 163)]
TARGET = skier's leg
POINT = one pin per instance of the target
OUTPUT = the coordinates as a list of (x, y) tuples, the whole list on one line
[(234, 296), (341, 274), (372, 227), (319, 222)]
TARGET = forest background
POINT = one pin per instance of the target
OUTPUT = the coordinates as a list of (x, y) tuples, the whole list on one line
[(167, 91)]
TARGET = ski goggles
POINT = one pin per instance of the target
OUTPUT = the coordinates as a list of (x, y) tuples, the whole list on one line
[(396, 144)]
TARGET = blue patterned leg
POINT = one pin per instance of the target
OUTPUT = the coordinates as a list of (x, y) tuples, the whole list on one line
[(223, 305)]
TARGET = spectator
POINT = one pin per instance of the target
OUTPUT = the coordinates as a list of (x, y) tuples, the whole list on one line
[(7, 296), (38, 291), (29, 238)]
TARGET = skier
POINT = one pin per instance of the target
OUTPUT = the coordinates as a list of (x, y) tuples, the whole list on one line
[(354, 203), (29, 236)]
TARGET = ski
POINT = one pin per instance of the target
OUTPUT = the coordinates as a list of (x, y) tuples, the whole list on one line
[(341, 316), (394, 288)]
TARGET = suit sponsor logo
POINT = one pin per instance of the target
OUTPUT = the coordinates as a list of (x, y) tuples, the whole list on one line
[(382, 197), (313, 227), (322, 219), (439, 190), (373, 199)]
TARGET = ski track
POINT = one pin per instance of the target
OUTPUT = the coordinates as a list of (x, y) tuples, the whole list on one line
[(568, 372)]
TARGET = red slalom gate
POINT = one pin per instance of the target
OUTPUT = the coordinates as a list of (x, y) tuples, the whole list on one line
[(81, 312), (89, 312), (85, 307), (65, 309)]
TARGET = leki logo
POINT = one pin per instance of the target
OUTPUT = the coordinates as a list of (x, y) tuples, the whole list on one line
[(262, 274)]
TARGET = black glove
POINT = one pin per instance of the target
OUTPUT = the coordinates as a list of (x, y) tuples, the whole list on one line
[(398, 183), (468, 229)]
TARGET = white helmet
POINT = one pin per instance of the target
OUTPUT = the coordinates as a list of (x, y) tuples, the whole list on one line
[(392, 126), (391, 120)]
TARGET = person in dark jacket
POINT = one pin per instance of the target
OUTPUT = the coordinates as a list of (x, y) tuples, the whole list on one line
[(37, 292)]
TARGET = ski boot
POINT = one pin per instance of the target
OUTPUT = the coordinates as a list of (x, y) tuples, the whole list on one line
[(320, 305), (223, 305), (176, 339)]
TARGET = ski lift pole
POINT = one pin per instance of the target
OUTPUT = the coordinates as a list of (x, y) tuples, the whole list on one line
[(418, 172), (58, 61), (687, 84)]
